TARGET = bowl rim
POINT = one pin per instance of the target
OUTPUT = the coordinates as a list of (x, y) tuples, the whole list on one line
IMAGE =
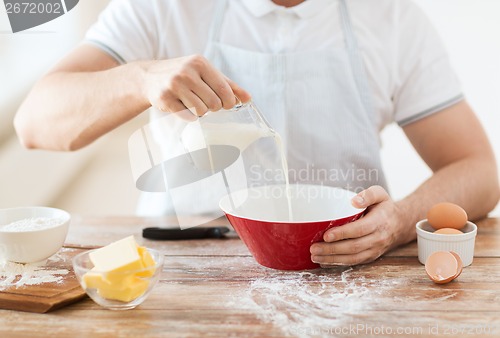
[(66, 219), (424, 234), (359, 212), (157, 265)]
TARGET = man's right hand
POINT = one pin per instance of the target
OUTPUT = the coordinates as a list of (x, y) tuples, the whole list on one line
[(189, 82)]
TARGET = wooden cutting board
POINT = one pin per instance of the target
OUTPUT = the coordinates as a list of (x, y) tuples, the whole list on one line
[(44, 297)]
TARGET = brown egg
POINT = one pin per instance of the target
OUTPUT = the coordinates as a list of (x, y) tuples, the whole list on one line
[(442, 267), (448, 231), (447, 215)]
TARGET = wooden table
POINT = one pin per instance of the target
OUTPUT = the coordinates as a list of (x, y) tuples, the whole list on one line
[(214, 288)]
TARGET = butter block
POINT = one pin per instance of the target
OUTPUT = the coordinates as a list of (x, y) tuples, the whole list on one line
[(93, 280), (126, 290), (147, 261), (116, 257), (115, 274), (134, 287)]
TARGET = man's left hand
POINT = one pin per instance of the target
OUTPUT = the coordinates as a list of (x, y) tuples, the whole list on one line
[(362, 241)]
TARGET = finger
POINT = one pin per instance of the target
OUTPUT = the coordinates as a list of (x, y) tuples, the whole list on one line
[(220, 86), (210, 99), (177, 107), (362, 227), (191, 100), (170, 106), (187, 115), (331, 265), (242, 94), (355, 259), (373, 195), (346, 247)]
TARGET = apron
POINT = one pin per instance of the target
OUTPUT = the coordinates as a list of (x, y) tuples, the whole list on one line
[(318, 101)]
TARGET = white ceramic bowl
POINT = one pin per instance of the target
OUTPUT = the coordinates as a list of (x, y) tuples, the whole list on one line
[(32, 245), (462, 244)]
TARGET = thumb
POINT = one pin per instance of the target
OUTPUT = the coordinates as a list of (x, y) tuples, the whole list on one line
[(373, 195)]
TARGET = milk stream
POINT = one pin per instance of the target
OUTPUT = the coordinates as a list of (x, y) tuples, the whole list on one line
[(237, 135), (284, 167)]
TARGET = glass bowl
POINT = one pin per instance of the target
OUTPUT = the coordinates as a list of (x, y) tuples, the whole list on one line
[(122, 290)]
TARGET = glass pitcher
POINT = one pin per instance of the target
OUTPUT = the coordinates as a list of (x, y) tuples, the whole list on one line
[(239, 127), (197, 162)]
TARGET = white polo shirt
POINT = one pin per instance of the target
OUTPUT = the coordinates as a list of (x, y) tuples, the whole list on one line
[(406, 63)]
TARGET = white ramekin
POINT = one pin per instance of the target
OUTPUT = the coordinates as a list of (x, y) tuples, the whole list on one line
[(429, 242)]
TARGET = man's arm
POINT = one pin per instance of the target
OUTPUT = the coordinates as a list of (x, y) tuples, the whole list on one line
[(454, 145), (83, 97), (88, 94)]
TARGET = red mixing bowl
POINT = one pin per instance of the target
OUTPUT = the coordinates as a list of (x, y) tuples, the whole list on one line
[(278, 230)]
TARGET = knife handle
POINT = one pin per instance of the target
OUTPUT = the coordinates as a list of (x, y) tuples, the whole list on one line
[(169, 234)]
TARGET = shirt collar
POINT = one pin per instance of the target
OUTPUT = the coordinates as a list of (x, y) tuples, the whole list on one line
[(305, 10)]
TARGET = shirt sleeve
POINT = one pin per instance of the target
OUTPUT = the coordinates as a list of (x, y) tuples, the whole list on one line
[(126, 30), (425, 80)]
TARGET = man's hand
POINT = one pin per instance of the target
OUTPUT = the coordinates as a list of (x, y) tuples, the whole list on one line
[(189, 82), (366, 239)]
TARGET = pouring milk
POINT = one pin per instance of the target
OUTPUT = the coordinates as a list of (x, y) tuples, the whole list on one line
[(198, 135)]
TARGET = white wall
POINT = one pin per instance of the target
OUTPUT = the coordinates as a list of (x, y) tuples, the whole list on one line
[(36, 177), (25, 56), (471, 32)]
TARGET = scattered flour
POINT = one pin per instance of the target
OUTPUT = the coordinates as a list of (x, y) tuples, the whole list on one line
[(298, 300), (304, 303), (30, 224), (18, 275)]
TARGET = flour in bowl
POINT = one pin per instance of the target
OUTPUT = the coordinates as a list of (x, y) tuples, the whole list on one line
[(31, 224)]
